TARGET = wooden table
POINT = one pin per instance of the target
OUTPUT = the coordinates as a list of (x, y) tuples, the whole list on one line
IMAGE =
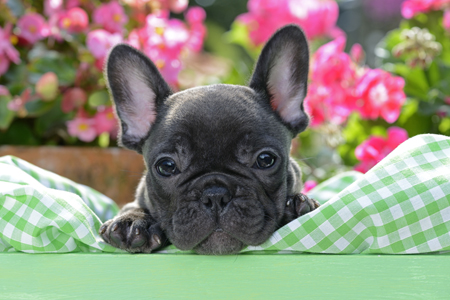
[(164, 276)]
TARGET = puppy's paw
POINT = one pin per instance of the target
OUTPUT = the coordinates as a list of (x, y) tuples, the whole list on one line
[(134, 231), (302, 204)]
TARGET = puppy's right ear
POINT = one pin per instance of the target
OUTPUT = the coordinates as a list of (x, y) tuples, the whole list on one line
[(138, 90)]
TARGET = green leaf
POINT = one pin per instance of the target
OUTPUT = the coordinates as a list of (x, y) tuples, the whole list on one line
[(408, 110), (64, 67), (99, 98), (416, 83), (53, 119), (38, 107), (239, 35), (444, 127), (6, 116), (19, 133)]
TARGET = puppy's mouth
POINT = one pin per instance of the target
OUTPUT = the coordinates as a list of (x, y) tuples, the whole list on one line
[(219, 243)]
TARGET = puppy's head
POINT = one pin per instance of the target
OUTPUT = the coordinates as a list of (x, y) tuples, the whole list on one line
[(217, 156)]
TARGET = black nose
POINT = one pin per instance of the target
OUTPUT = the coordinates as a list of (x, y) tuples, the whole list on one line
[(216, 198)]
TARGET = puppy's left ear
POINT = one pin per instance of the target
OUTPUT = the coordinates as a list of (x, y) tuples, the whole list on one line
[(281, 76)]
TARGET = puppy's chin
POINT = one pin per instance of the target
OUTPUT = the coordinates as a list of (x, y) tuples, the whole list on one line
[(219, 243)]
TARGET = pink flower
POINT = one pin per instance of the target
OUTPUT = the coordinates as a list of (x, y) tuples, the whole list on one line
[(381, 94), (446, 21), (111, 16), (4, 64), (7, 51), (410, 8), (32, 27), (308, 185), (82, 128), (17, 104), (357, 53), (177, 6), (331, 64), (4, 90), (52, 7), (330, 103), (134, 39), (164, 41), (374, 149), (75, 20), (331, 93), (105, 121), (73, 98), (99, 42), (316, 17)]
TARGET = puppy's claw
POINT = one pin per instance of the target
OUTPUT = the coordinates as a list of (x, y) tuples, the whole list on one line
[(304, 204), (157, 239), (133, 231)]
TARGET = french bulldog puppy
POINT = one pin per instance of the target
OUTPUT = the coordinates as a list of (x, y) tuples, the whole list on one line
[(218, 173)]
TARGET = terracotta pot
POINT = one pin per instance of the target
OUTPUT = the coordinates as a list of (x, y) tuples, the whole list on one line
[(114, 172)]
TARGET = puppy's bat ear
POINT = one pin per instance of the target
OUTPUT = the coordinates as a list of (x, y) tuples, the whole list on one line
[(281, 76), (138, 91)]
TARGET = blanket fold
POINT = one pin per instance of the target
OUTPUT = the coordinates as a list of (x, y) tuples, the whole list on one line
[(401, 206)]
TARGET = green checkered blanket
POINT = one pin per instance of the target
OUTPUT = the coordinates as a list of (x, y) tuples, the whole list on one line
[(400, 206)]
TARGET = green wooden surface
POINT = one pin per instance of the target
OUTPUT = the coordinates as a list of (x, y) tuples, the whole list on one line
[(122, 276)]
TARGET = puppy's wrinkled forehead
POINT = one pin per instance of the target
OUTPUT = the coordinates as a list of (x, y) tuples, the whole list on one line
[(216, 116), (217, 120)]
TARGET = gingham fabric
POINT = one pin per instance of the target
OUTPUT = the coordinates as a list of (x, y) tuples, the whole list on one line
[(41, 212), (400, 206)]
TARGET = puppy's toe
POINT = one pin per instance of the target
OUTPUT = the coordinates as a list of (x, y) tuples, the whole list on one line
[(304, 204), (133, 233)]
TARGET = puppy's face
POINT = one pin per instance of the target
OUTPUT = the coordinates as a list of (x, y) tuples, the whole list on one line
[(217, 169), (217, 156)]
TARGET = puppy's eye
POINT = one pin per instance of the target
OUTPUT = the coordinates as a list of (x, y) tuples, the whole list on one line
[(265, 160), (166, 167)]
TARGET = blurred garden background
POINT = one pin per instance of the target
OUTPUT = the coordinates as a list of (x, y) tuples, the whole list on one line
[(379, 70)]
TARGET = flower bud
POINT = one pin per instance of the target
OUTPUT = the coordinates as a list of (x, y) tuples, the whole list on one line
[(47, 86), (73, 98)]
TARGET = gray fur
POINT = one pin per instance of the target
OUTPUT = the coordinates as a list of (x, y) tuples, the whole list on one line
[(219, 200)]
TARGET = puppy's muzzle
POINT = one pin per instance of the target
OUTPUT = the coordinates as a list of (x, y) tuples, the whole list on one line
[(216, 198)]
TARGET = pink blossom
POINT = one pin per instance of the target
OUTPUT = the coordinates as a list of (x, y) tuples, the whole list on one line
[(73, 98), (75, 20), (99, 42), (32, 27), (134, 39), (357, 53), (177, 6), (381, 95), (7, 51), (111, 16), (316, 17), (4, 64), (4, 90), (374, 149), (446, 21), (164, 41), (105, 121), (410, 8), (308, 185), (52, 7), (82, 128), (330, 103), (330, 64), (17, 104), (331, 93)]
